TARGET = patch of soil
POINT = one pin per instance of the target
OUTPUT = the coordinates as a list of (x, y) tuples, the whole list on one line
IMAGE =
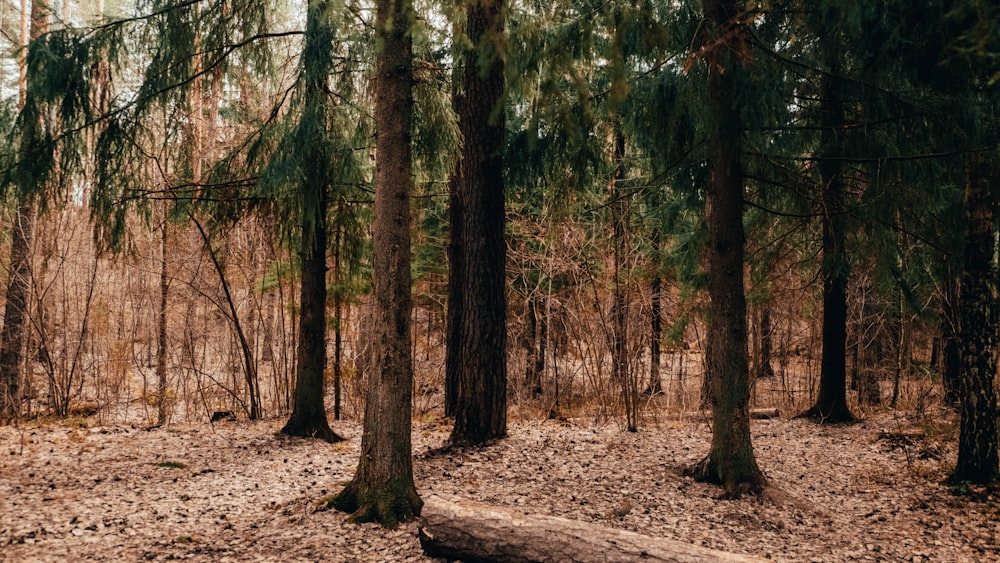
[(872, 491)]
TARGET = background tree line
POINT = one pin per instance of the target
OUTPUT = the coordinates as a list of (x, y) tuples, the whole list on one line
[(567, 206)]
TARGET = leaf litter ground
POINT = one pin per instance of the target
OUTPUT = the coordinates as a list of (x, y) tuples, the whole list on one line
[(872, 491)]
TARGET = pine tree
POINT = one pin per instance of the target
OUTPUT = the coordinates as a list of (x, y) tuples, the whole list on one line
[(383, 489), (977, 443), (730, 462), (831, 404), (476, 364), (14, 335), (309, 411)]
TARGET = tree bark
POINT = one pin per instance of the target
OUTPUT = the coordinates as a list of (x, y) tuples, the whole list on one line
[(542, 308), (532, 375), (730, 461), (338, 319), (951, 353), (831, 404), (476, 532), (477, 332), (621, 372), (382, 489), (656, 321), (34, 23), (977, 443), (12, 340), (762, 368), (162, 414), (308, 417)]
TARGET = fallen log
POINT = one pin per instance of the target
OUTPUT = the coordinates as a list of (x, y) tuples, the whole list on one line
[(480, 533)]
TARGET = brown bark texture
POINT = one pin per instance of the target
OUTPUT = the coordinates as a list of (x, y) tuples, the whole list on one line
[(308, 417), (655, 322), (12, 339), (831, 404), (161, 336), (977, 443), (765, 335), (730, 462), (532, 373), (383, 489), (951, 349), (476, 365), (476, 532), (309, 408), (15, 319)]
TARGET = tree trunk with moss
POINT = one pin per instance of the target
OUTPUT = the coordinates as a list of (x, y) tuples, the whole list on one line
[(382, 489), (730, 461)]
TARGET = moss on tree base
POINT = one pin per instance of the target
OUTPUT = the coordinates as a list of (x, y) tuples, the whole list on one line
[(389, 506)]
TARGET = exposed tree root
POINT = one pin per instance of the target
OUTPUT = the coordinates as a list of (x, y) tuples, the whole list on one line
[(735, 484), (835, 415), (319, 431), (388, 505)]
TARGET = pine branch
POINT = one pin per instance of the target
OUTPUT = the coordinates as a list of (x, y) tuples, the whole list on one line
[(141, 101), (777, 213), (141, 18), (887, 158)]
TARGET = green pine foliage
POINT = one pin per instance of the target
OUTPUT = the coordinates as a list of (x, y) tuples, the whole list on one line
[(113, 107)]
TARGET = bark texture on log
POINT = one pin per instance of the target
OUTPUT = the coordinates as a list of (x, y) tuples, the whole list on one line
[(475, 532)]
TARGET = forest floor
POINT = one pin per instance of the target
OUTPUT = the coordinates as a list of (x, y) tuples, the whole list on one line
[(872, 491)]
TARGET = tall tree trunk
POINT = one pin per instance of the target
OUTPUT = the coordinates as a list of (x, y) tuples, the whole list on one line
[(477, 344), (308, 417), (977, 442), (831, 404), (951, 353), (13, 338), (542, 307), (730, 461), (655, 321), (27, 6), (309, 411), (762, 368), (902, 349), (161, 340), (532, 377), (620, 369), (34, 23), (338, 318), (456, 285), (382, 489)]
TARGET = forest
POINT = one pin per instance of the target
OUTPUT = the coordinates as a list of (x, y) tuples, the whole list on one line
[(499, 280)]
